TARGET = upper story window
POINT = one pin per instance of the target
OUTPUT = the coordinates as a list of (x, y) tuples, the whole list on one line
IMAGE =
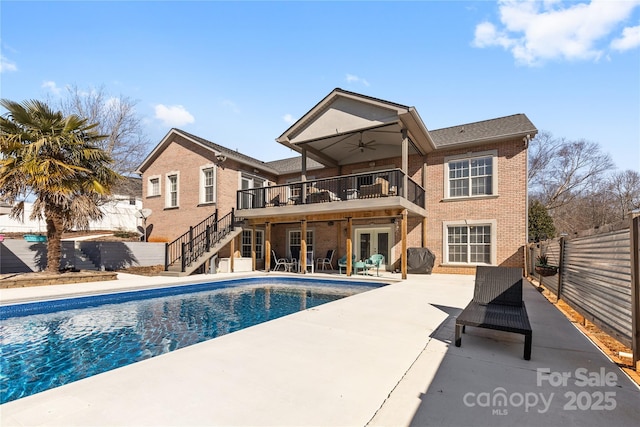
[(207, 184), (471, 176), (153, 186), (172, 191)]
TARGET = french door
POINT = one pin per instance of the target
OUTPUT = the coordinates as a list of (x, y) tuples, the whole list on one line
[(371, 241)]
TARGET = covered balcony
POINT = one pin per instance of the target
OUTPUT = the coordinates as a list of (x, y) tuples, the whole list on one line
[(387, 190)]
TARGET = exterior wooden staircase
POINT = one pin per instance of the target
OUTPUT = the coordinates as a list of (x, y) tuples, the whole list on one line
[(194, 248)]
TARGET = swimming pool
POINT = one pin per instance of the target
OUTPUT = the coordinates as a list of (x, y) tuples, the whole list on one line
[(50, 343)]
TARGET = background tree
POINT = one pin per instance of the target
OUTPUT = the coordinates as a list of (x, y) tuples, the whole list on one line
[(125, 140), (561, 170), (540, 222), (577, 182), (56, 160), (625, 188)]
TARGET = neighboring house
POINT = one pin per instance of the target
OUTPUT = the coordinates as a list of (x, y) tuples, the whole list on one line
[(119, 212), (370, 179)]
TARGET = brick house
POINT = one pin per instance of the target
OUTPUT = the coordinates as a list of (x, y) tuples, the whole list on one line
[(370, 178)]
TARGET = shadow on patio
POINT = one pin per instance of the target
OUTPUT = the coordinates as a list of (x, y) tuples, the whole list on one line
[(486, 382)]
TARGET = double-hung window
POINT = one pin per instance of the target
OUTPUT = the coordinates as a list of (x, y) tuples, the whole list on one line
[(470, 176), (470, 243), (247, 243), (207, 184), (153, 186), (295, 242), (172, 191)]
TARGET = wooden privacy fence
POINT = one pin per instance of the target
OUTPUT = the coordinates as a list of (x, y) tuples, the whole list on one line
[(599, 277)]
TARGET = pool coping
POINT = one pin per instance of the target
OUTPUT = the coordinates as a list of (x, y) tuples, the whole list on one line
[(382, 357)]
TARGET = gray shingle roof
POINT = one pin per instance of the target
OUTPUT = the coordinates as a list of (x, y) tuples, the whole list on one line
[(229, 152), (498, 128), (294, 164)]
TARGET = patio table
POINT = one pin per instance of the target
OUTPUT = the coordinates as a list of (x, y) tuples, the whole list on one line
[(360, 265)]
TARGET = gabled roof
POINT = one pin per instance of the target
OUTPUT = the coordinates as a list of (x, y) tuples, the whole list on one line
[(347, 127), (501, 128), (211, 146), (334, 130)]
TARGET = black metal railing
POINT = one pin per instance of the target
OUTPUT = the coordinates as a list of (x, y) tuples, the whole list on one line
[(199, 239), (342, 188)]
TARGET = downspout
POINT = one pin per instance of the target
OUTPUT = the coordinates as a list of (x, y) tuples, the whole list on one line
[(525, 251)]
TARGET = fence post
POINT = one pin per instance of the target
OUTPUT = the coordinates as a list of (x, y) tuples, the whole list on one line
[(634, 230), (560, 268)]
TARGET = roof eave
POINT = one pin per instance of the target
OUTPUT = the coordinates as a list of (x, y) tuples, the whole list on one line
[(491, 139)]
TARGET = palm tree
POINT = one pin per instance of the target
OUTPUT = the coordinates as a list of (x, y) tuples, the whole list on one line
[(54, 160)]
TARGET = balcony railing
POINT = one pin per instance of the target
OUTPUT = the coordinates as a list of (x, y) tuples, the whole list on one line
[(342, 188)]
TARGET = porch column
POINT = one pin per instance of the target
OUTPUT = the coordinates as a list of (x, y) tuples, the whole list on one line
[(232, 248), (303, 246), (267, 247), (403, 258), (349, 247), (405, 163), (303, 178), (253, 248)]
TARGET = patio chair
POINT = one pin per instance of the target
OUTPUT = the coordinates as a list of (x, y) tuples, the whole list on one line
[(309, 262), (323, 262), (374, 261), (342, 263), (497, 304), (285, 263), (295, 258)]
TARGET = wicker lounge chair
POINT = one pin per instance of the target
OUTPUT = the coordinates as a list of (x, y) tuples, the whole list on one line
[(497, 304)]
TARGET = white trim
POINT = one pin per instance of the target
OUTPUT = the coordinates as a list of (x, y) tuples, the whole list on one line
[(468, 156), (299, 230), (376, 228), (167, 197), (467, 222), (201, 186), (150, 186)]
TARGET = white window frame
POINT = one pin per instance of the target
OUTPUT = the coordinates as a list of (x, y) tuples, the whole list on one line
[(150, 192), (167, 200), (259, 244), (310, 231), (470, 223), (468, 157), (203, 184)]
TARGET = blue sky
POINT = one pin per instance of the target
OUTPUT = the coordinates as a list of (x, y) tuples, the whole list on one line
[(238, 73)]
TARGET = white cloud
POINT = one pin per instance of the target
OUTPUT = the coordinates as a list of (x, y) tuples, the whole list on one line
[(629, 40), (288, 118), (174, 115), (538, 31), (355, 79), (7, 65), (52, 87)]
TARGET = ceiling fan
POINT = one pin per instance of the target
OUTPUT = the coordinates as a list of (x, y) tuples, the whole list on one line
[(363, 145)]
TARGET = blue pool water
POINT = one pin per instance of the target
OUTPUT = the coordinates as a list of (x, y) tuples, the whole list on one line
[(51, 343)]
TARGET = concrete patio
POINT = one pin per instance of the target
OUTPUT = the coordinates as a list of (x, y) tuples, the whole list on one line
[(381, 358)]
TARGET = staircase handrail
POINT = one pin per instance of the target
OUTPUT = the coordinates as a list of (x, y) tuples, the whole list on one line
[(173, 250), (204, 241)]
